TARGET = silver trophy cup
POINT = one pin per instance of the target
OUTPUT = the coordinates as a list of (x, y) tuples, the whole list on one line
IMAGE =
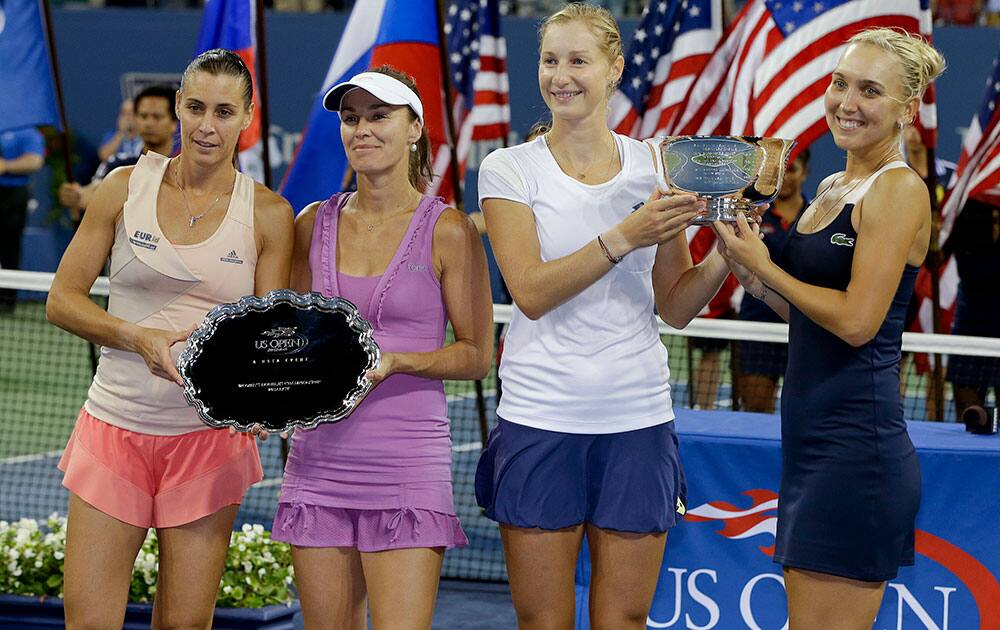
[(738, 174)]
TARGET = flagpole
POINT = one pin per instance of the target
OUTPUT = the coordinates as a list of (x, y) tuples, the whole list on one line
[(934, 261), (64, 133), (265, 115), (449, 106), (54, 62)]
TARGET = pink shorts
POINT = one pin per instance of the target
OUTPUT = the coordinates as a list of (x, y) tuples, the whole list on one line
[(158, 480)]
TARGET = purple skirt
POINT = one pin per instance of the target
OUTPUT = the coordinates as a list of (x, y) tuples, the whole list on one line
[(366, 530)]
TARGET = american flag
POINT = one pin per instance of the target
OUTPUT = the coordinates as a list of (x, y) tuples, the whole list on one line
[(767, 78), (768, 75), (977, 177), (671, 45), (978, 172), (477, 55)]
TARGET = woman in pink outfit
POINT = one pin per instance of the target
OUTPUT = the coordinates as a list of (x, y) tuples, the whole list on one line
[(184, 234), (367, 502)]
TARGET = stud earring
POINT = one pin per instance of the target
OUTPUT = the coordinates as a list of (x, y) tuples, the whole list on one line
[(413, 148)]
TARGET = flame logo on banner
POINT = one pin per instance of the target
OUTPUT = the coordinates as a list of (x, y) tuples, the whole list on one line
[(760, 518)]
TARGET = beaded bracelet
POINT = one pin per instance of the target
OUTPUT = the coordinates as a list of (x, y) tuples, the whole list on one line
[(614, 260), (763, 294)]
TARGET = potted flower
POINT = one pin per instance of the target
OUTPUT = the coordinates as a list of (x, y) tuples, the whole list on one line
[(256, 589)]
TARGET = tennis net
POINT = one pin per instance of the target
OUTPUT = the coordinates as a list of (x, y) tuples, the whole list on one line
[(45, 373)]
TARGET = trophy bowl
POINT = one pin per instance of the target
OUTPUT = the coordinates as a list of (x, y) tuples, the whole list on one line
[(285, 360), (738, 174)]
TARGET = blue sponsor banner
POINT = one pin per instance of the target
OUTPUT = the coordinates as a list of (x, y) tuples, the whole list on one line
[(718, 572)]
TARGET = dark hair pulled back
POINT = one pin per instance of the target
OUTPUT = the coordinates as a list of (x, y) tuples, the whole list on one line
[(219, 61)]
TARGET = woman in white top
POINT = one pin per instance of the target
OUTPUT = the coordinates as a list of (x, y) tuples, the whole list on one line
[(588, 248), (184, 235)]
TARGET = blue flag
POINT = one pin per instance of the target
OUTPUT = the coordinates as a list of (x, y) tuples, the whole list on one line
[(27, 96)]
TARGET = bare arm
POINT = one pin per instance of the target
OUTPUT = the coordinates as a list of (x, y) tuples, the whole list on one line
[(110, 147), (894, 225), (301, 280), (274, 234), (458, 253), (23, 165), (73, 195), (751, 283), (69, 305), (539, 286), (680, 287)]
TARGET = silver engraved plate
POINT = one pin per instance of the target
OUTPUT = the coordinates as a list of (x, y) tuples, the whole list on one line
[(738, 174), (286, 360)]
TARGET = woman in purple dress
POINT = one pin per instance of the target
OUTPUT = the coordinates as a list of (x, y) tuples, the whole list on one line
[(367, 502)]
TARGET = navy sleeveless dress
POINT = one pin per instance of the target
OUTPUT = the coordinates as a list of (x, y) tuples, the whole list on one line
[(850, 480)]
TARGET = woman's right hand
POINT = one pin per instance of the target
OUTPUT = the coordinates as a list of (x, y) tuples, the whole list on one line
[(657, 221), (153, 345), (744, 275)]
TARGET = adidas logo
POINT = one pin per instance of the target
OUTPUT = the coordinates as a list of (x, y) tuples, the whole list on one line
[(232, 257)]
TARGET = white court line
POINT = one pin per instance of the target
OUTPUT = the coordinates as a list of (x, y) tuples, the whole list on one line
[(25, 459), (460, 448)]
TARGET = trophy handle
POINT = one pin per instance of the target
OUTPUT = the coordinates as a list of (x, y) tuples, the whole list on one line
[(772, 167), (656, 148)]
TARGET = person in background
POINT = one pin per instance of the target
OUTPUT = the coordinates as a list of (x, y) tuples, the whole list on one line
[(916, 155), (184, 235), (956, 12), (705, 353), (761, 364), (367, 502), (124, 138), (22, 152), (975, 243), (850, 478), (156, 122)]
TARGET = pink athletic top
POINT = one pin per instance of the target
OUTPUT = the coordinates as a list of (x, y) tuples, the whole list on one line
[(394, 451), (157, 284)]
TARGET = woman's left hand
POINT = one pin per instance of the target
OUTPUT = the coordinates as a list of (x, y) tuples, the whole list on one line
[(385, 369), (742, 244)]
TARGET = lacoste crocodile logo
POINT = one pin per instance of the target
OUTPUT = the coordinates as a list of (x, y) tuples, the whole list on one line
[(841, 239)]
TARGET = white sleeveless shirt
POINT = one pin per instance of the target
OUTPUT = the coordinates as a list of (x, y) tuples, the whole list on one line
[(157, 284), (594, 364)]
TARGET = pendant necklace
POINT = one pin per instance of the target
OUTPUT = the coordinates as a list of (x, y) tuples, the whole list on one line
[(581, 173), (193, 218), (371, 225), (819, 220)]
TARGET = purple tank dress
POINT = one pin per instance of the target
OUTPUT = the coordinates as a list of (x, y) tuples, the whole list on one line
[(381, 478)]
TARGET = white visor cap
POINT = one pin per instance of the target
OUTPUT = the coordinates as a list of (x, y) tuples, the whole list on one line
[(381, 86)]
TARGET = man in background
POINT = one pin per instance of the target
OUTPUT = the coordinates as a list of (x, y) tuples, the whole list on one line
[(22, 152), (156, 122)]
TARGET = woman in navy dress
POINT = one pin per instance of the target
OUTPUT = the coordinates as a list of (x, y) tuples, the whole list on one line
[(850, 482)]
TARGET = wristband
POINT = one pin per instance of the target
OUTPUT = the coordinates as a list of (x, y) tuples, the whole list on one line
[(614, 260)]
